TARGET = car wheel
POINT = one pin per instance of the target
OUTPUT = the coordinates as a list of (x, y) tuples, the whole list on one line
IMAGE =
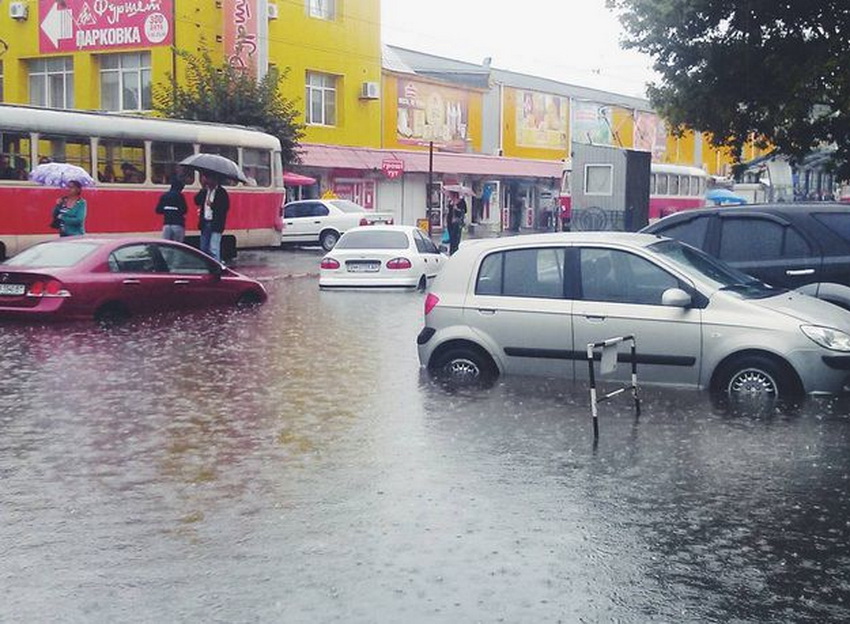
[(755, 376), (464, 365), (111, 314), (328, 239), (248, 299), (423, 284)]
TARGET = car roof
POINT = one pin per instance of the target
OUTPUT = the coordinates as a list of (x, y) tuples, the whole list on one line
[(380, 227), (794, 209), (633, 239)]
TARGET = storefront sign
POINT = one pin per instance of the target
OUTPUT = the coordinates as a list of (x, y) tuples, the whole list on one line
[(650, 134), (541, 120), (241, 41), (592, 123), (392, 168), (429, 113), (73, 25)]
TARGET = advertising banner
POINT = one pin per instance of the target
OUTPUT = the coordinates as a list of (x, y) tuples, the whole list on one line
[(592, 123), (241, 37), (75, 25), (429, 112), (650, 134), (541, 120)]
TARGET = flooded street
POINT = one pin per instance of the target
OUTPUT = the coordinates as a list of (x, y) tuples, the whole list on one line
[(292, 464)]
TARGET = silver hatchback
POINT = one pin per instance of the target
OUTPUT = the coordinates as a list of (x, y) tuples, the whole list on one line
[(532, 304)]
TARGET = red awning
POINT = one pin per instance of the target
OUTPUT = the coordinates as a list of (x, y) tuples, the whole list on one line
[(296, 179), (370, 159)]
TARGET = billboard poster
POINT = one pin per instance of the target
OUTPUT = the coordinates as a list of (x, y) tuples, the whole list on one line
[(591, 123), (650, 134), (541, 120), (429, 112), (241, 41), (76, 25)]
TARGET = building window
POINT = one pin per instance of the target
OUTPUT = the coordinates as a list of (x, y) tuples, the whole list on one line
[(598, 179), (321, 99), (125, 81), (51, 82), (322, 9)]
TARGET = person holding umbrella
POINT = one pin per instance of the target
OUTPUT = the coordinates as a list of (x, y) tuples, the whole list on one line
[(213, 203), (69, 213), (455, 216)]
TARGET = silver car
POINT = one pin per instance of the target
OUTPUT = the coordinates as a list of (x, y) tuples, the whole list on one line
[(532, 304)]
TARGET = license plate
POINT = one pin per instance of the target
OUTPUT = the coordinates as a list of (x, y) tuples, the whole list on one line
[(12, 289), (363, 267)]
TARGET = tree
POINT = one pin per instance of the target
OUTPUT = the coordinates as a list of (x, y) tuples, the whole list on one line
[(226, 94), (776, 71)]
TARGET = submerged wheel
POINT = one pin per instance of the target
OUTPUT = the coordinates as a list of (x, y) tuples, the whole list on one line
[(249, 299), (111, 314), (328, 239), (464, 366), (756, 376)]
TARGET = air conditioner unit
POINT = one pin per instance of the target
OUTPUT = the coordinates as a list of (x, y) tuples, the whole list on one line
[(18, 10), (370, 91), (271, 11)]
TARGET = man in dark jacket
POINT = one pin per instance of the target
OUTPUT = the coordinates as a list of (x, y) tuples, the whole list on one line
[(172, 207), (213, 204)]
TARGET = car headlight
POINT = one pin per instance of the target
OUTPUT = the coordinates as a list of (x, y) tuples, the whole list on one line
[(828, 338)]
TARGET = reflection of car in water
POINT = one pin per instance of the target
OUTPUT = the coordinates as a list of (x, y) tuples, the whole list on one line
[(532, 304)]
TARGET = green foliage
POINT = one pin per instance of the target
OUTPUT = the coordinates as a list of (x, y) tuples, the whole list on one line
[(773, 69), (225, 94)]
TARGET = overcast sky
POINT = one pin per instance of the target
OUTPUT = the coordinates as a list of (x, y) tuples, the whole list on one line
[(574, 41)]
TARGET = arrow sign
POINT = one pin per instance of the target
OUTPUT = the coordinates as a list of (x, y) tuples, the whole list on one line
[(57, 25)]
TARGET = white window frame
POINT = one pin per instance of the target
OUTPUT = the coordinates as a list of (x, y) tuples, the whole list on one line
[(604, 193), (39, 68), (322, 9), (144, 65), (326, 94)]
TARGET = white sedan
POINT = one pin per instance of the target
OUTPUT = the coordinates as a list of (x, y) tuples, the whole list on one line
[(323, 221), (382, 256)]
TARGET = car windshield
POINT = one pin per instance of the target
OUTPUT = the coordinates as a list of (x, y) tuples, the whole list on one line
[(347, 206), (696, 262), (52, 255), (373, 239)]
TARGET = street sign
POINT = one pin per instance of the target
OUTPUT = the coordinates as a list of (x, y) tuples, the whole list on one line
[(392, 167)]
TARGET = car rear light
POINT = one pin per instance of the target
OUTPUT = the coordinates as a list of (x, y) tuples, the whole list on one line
[(364, 221), (329, 263), (399, 264), (50, 288), (431, 302), (390, 222)]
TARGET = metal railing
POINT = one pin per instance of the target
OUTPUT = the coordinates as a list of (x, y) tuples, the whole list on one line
[(610, 350)]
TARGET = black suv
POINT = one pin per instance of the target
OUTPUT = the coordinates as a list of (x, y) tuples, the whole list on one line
[(800, 246)]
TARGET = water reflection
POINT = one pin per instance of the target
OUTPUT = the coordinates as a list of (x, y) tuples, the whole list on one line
[(292, 463)]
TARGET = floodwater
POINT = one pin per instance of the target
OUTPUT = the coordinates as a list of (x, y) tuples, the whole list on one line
[(292, 464)]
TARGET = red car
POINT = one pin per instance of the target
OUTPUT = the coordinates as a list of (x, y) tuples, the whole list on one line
[(110, 279)]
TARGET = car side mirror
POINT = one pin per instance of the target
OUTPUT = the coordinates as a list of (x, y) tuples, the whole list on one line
[(676, 298), (216, 270)]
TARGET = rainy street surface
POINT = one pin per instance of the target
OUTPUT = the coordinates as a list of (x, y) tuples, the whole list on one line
[(292, 464)]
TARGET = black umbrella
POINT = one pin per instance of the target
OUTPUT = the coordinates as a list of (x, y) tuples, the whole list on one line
[(216, 164)]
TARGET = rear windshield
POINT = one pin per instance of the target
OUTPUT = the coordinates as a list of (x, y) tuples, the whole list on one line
[(347, 206), (838, 222), (373, 239), (52, 255)]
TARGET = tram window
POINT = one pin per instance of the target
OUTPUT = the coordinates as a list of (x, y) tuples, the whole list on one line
[(14, 156), (652, 183), (257, 165), (685, 188), (674, 184), (121, 161), (228, 151), (74, 150), (164, 159), (662, 184)]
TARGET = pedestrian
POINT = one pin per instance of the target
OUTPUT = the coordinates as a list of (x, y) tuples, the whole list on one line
[(69, 213), (213, 203), (455, 216), (7, 172), (172, 207)]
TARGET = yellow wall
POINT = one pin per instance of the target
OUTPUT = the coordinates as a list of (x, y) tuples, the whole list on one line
[(348, 47), (390, 110), (623, 122)]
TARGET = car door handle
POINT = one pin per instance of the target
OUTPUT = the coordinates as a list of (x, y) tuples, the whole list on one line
[(594, 318), (132, 282), (181, 282), (793, 272), (487, 311)]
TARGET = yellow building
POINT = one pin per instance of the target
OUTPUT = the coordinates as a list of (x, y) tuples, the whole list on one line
[(64, 54)]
